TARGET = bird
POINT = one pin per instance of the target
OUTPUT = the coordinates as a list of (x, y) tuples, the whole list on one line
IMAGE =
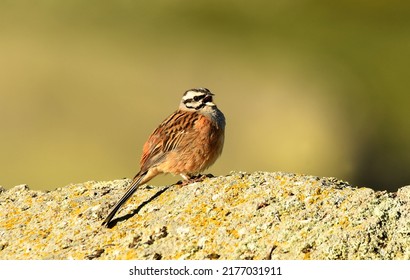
[(186, 143)]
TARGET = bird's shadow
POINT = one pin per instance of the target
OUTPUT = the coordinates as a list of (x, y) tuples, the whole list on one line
[(193, 179), (138, 209)]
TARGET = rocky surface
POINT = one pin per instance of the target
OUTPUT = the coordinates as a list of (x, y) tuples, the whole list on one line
[(239, 216)]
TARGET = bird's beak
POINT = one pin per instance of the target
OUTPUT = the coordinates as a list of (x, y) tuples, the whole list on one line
[(208, 99)]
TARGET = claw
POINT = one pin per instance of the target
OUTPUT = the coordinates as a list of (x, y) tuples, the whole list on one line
[(189, 179)]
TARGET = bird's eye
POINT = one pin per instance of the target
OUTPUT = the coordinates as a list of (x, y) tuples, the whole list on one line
[(198, 97)]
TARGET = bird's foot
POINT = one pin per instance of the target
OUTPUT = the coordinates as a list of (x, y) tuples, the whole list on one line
[(194, 179)]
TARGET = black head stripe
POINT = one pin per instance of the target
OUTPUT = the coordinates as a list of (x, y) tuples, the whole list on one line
[(203, 90), (197, 98), (195, 104)]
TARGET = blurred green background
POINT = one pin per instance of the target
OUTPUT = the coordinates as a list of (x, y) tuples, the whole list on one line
[(314, 87)]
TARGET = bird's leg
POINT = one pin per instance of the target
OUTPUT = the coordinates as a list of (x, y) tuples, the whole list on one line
[(191, 178), (186, 177)]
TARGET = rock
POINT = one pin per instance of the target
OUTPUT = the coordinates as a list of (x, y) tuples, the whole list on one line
[(239, 216)]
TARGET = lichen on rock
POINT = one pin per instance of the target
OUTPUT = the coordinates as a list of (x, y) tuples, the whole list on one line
[(240, 216)]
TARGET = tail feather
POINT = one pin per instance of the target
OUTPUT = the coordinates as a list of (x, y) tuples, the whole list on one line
[(131, 189)]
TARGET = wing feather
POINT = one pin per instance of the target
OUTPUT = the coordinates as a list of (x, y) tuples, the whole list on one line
[(167, 137)]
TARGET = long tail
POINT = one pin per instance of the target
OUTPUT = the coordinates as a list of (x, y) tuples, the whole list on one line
[(132, 188)]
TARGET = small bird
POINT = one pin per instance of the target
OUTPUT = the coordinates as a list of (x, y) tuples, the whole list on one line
[(186, 143)]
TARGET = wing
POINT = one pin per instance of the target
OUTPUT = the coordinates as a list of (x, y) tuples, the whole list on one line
[(167, 137)]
